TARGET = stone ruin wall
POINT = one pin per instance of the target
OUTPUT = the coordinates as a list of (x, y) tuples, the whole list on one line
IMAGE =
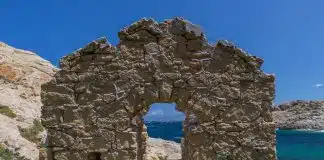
[(94, 107)]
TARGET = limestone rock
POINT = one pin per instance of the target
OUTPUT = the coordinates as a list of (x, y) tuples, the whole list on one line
[(21, 75), (299, 114), (159, 149)]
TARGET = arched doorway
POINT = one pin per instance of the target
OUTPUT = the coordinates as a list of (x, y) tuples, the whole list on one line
[(164, 125), (97, 101)]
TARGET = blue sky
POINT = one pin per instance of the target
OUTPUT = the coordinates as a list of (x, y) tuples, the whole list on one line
[(288, 34), (164, 112)]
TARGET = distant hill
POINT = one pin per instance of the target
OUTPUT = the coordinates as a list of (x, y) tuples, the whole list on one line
[(164, 118)]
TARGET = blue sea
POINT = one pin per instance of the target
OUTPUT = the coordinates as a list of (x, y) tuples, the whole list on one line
[(291, 144)]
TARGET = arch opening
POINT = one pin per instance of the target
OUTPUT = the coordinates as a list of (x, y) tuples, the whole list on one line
[(164, 121), (163, 126)]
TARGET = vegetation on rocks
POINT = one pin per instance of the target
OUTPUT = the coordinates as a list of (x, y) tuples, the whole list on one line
[(32, 132), (224, 156), (21, 95), (160, 158), (6, 154), (5, 110)]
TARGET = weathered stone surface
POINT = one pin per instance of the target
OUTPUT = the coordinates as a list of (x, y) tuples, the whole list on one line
[(103, 92), (159, 149), (299, 114), (21, 75)]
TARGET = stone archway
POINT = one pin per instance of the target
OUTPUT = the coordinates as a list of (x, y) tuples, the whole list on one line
[(95, 103)]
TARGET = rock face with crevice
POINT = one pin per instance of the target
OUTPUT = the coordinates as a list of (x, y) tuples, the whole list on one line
[(94, 106), (21, 75)]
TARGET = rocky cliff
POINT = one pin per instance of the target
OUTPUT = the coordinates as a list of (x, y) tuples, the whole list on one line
[(21, 75), (300, 115), (159, 149)]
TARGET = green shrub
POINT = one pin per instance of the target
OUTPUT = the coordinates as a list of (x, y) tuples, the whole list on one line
[(32, 132), (5, 154), (5, 110)]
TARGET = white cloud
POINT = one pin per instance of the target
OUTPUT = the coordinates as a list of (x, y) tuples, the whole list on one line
[(319, 85)]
